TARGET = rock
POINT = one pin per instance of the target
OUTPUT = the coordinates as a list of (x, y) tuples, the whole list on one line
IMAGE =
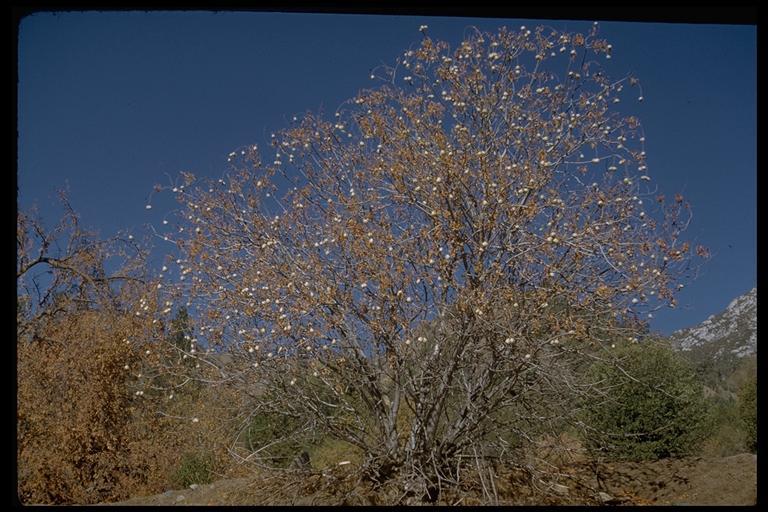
[(194, 486), (301, 462), (180, 497), (605, 497)]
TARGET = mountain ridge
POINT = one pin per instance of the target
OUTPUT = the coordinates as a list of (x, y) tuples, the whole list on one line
[(730, 333)]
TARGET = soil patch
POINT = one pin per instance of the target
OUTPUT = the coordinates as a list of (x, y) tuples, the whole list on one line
[(686, 481)]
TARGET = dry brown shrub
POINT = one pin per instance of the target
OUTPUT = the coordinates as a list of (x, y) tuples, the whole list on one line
[(75, 412), (90, 427), (85, 436)]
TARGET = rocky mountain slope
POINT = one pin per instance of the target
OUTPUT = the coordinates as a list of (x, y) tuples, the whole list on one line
[(723, 347), (731, 332)]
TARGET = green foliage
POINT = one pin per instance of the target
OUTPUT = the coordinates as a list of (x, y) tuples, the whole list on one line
[(727, 436), (180, 331), (653, 405), (279, 439), (724, 373), (276, 437), (195, 468), (747, 400)]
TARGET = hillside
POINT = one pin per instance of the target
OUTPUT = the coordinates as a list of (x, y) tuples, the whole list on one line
[(733, 332), (724, 344)]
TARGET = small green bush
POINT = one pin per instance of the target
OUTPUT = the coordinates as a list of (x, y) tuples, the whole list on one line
[(275, 437), (195, 468), (747, 399), (652, 405)]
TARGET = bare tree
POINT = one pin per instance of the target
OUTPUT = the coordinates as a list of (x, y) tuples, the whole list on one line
[(436, 263), (65, 267)]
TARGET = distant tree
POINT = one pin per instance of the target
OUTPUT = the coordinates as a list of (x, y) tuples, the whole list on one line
[(458, 241)]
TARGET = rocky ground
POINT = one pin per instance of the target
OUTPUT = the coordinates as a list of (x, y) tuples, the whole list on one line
[(687, 481)]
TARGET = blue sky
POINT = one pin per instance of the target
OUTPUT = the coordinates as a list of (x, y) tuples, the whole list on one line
[(112, 103)]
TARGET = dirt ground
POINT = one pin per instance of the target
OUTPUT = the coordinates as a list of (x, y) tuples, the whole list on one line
[(688, 481)]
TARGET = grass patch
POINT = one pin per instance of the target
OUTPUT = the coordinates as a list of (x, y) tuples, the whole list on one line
[(194, 468)]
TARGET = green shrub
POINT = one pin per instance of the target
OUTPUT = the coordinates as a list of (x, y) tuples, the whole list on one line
[(727, 436), (194, 468), (652, 405), (276, 439), (747, 399)]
